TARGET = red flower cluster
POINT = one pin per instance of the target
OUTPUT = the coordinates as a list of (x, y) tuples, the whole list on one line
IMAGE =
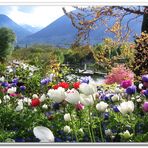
[(61, 84), (35, 102), (76, 85)]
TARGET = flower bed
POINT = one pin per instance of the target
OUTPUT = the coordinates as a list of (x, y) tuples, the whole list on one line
[(37, 109)]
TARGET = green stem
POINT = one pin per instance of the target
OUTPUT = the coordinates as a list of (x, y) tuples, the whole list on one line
[(73, 126), (102, 139), (91, 130)]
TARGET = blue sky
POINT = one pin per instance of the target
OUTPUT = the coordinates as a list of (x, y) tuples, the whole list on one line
[(36, 16)]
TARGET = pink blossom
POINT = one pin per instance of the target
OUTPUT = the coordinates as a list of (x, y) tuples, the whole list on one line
[(119, 74)]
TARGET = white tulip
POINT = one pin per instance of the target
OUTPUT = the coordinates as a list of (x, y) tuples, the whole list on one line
[(35, 96), (139, 100), (140, 86), (126, 134), (45, 106), (19, 108), (102, 106), (2, 79), (6, 98), (43, 134), (67, 129), (108, 132), (86, 100), (57, 95), (72, 96), (88, 89), (67, 117), (81, 131), (115, 98), (126, 107), (27, 100), (43, 98), (11, 90)]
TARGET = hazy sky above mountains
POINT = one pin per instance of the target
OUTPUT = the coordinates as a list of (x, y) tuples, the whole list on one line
[(36, 16)]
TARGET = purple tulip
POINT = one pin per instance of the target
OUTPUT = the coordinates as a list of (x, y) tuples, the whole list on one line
[(85, 79), (145, 106), (145, 78), (145, 92), (45, 81), (15, 80), (115, 108), (5, 84), (106, 116), (131, 90), (23, 88)]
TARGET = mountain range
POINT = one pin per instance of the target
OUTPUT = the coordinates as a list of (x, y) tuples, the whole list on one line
[(61, 32)]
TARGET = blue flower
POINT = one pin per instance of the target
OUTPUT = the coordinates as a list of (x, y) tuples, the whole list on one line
[(56, 106), (145, 78), (106, 116), (23, 88), (145, 92), (15, 80), (45, 81), (85, 79), (131, 90), (19, 140), (58, 139), (115, 108), (5, 84)]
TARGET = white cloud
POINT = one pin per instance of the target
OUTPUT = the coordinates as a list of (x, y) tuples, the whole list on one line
[(40, 16)]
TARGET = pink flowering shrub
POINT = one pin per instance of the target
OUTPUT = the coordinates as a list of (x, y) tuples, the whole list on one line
[(119, 74)]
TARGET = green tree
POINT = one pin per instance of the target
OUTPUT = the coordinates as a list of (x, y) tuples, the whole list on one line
[(7, 39)]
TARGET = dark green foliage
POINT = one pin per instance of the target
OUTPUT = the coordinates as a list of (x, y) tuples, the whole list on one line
[(7, 38)]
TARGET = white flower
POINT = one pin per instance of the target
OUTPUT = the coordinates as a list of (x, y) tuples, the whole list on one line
[(126, 107), (6, 98), (88, 89), (72, 96), (86, 100), (58, 95), (2, 79), (140, 86), (43, 98), (139, 100), (67, 129), (115, 98), (67, 117), (35, 96), (27, 100), (43, 134), (102, 106), (108, 132), (11, 90), (19, 108), (81, 131), (45, 106), (0, 101), (126, 134)]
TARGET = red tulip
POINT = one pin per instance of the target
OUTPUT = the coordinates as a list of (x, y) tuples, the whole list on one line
[(56, 86), (64, 85), (35, 102), (76, 85)]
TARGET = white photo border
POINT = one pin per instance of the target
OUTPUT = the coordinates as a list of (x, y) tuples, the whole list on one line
[(73, 3)]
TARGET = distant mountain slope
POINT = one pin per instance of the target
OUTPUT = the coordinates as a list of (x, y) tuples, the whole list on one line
[(31, 28), (20, 32), (62, 33)]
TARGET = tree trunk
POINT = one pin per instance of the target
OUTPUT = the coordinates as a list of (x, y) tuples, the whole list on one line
[(145, 21)]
